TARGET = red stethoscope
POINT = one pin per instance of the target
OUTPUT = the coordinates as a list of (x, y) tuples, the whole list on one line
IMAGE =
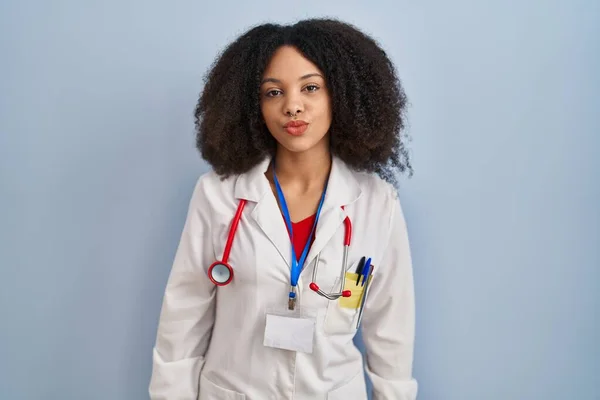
[(221, 273)]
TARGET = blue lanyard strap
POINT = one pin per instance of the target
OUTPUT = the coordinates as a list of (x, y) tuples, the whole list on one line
[(297, 265)]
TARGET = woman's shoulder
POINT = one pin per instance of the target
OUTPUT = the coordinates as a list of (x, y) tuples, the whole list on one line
[(212, 189), (374, 187), (210, 179)]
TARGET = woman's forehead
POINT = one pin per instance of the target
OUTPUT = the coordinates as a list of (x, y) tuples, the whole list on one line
[(289, 64)]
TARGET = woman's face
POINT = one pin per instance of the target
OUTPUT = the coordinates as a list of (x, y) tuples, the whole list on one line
[(292, 85)]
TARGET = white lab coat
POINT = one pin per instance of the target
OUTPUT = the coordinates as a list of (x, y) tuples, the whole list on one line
[(210, 339)]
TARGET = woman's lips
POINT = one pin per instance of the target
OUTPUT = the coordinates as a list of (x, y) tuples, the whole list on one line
[(296, 130)]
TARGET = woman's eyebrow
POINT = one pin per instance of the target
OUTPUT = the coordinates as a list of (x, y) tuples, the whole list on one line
[(303, 77)]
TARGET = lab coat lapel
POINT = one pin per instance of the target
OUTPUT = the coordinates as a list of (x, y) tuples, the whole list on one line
[(270, 220), (342, 190), (254, 186)]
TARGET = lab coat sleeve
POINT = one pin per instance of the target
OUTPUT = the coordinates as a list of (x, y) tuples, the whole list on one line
[(187, 313), (388, 324)]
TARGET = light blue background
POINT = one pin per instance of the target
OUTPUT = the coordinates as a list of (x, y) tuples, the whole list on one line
[(97, 164)]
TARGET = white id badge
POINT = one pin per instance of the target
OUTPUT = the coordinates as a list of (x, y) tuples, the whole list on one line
[(290, 331)]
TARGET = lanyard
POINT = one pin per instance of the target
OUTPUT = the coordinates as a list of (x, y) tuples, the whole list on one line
[(297, 265)]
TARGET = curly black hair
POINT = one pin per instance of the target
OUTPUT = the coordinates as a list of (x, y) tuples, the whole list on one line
[(368, 101)]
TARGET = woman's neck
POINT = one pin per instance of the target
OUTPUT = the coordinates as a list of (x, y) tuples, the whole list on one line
[(303, 171)]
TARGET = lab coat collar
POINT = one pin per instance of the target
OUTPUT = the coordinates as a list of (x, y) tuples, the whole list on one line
[(342, 190), (253, 185)]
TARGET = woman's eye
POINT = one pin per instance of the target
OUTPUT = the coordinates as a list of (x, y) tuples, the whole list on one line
[(277, 92), (273, 93)]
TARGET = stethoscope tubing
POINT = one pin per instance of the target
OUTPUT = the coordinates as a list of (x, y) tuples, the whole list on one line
[(230, 237), (313, 285), (342, 293)]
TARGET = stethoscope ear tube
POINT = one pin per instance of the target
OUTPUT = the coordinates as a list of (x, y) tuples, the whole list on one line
[(332, 296)]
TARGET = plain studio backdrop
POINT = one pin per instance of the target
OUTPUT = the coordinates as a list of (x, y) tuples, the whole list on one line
[(97, 165)]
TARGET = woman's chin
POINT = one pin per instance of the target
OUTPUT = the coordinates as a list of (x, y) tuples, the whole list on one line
[(301, 144)]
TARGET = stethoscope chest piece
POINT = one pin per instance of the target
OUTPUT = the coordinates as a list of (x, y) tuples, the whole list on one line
[(220, 273)]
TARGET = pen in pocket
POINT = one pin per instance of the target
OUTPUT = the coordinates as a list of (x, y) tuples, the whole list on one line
[(365, 271), (359, 269), (365, 292)]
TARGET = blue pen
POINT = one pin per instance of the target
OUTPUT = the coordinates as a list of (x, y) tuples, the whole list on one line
[(365, 271)]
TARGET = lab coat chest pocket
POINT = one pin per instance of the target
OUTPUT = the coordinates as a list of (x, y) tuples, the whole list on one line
[(342, 313)]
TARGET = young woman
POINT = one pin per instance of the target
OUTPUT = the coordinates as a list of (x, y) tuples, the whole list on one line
[(297, 237)]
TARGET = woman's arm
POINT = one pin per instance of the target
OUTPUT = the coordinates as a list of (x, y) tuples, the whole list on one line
[(388, 323), (187, 313)]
